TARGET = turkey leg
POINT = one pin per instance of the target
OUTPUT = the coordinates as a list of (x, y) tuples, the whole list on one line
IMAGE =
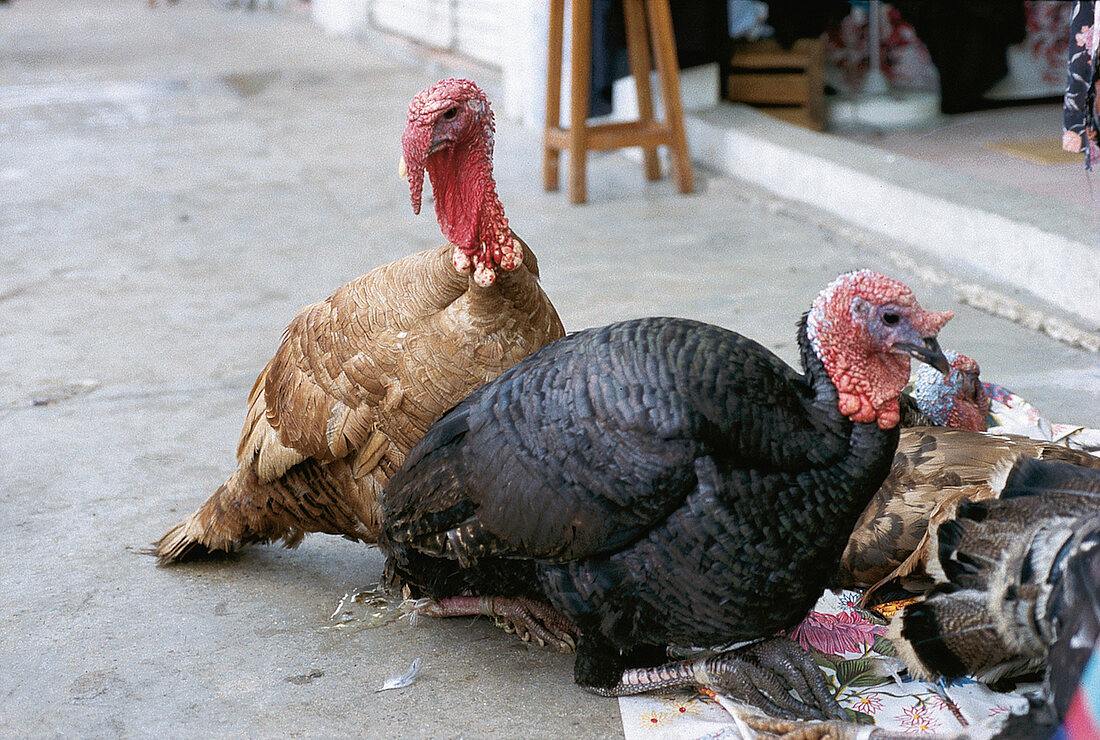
[(526, 617), (766, 674)]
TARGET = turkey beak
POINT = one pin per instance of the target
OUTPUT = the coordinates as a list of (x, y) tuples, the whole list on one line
[(402, 169), (928, 351), (439, 141)]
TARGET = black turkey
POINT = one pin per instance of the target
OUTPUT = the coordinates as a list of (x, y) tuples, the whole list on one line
[(663, 482)]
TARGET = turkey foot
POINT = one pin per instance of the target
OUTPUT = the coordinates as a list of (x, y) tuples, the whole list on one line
[(526, 617), (765, 674)]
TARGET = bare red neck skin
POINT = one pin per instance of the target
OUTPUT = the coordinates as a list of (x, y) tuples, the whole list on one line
[(470, 212), (968, 416), (867, 384)]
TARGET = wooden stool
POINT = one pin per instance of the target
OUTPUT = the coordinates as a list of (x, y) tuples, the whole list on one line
[(643, 18)]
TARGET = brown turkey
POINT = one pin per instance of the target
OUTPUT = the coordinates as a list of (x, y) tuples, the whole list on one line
[(1017, 589), (663, 482), (934, 468), (359, 377)]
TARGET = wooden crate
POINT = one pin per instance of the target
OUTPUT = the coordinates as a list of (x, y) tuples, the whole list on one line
[(786, 83)]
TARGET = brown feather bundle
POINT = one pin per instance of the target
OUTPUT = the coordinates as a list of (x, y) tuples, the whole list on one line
[(934, 469), (1008, 574)]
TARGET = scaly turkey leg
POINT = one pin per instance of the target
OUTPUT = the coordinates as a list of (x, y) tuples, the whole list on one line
[(763, 674), (784, 729), (527, 617)]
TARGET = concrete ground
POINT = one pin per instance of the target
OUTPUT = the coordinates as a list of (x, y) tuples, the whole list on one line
[(174, 184)]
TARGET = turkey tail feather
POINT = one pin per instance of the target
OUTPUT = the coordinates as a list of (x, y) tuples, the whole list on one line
[(1029, 476), (1016, 581), (310, 497), (219, 525)]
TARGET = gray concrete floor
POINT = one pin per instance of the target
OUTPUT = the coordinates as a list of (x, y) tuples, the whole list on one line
[(174, 184)]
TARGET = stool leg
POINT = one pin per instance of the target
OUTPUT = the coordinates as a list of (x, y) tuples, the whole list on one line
[(581, 70), (550, 154), (637, 47), (664, 49)]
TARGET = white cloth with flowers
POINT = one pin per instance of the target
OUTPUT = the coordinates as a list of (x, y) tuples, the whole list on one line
[(850, 646)]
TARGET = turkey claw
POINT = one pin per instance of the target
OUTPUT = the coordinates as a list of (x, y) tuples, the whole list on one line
[(775, 675), (513, 629), (787, 729), (769, 673), (414, 609), (533, 619), (525, 617), (509, 628)]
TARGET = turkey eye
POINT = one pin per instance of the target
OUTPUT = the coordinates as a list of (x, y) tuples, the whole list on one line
[(890, 319), (450, 113)]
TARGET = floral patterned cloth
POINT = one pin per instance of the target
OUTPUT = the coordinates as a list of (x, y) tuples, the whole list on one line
[(1081, 127), (905, 59), (1046, 39), (850, 646)]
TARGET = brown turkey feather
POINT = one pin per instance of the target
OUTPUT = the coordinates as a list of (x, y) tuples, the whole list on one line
[(356, 381), (1014, 583), (934, 468)]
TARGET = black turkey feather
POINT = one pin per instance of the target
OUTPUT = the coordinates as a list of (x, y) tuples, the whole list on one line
[(662, 481)]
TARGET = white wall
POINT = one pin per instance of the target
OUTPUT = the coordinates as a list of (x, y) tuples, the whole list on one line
[(340, 17), (507, 34), (428, 21)]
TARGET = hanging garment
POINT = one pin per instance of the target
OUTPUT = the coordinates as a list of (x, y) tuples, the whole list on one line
[(968, 42), (1081, 127)]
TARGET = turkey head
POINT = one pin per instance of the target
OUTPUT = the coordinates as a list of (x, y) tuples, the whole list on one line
[(957, 399), (865, 327), (449, 135)]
